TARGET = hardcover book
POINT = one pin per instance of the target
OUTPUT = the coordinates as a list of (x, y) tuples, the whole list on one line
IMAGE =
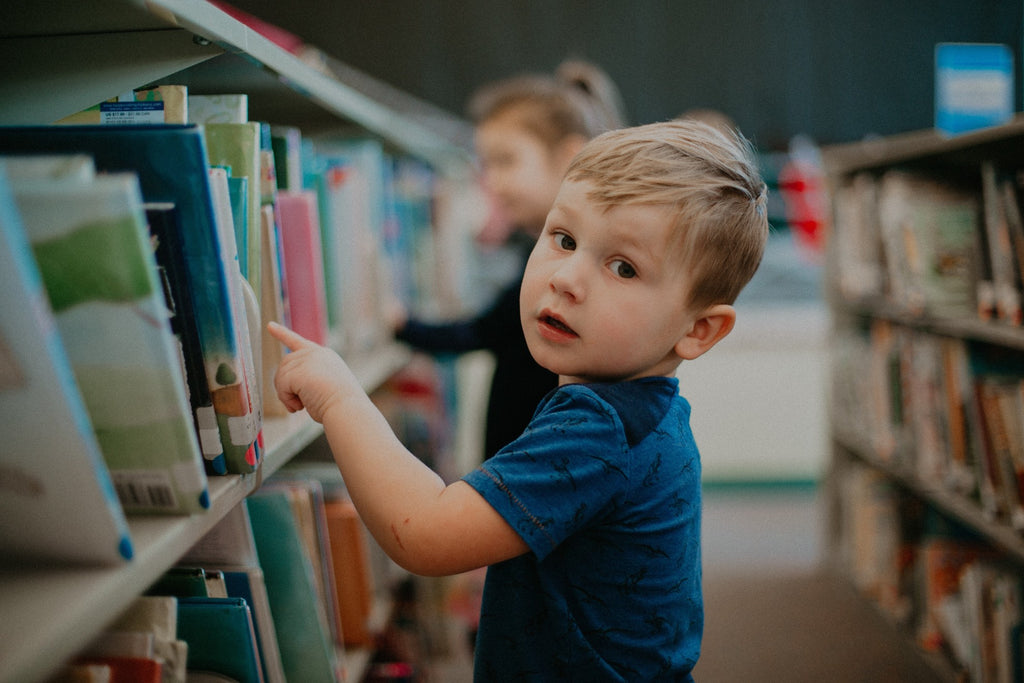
[(94, 254), (299, 619), (237, 146), (165, 229), (171, 164), (69, 512), (303, 264)]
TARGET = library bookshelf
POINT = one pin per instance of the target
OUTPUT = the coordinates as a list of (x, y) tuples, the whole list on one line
[(924, 505), (63, 57)]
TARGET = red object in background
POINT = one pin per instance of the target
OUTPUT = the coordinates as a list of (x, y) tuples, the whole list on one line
[(275, 34), (802, 185)]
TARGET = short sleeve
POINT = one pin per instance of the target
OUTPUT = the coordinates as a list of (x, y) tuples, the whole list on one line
[(563, 474)]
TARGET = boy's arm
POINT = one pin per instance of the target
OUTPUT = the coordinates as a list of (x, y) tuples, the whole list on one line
[(423, 525)]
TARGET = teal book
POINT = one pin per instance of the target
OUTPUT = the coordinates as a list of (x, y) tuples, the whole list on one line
[(300, 622), (220, 637), (171, 164), (58, 502), (92, 245)]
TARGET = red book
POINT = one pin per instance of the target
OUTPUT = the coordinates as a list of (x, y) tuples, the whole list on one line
[(303, 263)]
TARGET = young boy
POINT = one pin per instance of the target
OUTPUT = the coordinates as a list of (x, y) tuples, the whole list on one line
[(589, 521)]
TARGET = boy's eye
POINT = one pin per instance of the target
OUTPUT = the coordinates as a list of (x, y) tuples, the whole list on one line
[(564, 241), (623, 269)]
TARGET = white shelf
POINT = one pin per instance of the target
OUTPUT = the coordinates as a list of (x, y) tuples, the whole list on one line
[(61, 59), (49, 614)]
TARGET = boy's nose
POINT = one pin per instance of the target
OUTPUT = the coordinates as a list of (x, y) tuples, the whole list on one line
[(568, 278)]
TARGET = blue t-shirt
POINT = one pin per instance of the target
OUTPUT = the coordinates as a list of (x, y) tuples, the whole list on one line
[(604, 487)]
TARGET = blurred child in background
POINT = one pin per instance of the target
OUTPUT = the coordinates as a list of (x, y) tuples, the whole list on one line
[(528, 129)]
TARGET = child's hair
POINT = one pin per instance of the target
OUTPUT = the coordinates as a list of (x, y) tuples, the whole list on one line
[(712, 180), (579, 99)]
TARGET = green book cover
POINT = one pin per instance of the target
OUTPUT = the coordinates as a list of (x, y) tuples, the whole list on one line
[(300, 623), (92, 246)]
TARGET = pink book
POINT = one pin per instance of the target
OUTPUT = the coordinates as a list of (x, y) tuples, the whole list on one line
[(303, 263)]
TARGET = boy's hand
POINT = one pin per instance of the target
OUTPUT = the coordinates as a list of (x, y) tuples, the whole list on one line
[(311, 376)]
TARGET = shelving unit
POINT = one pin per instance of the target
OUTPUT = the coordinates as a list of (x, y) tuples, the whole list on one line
[(62, 57), (958, 161)]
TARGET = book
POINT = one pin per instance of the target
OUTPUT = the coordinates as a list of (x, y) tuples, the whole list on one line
[(127, 669), (181, 582), (858, 243), (231, 548), (303, 264), (157, 105), (156, 616), (928, 232), (236, 146), (165, 229), (69, 513), (94, 254), (272, 307), (220, 637), (227, 108), (299, 619), (244, 453), (286, 143), (1005, 279), (353, 582), (171, 165)]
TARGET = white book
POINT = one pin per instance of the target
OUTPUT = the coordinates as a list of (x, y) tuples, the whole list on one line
[(58, 501)]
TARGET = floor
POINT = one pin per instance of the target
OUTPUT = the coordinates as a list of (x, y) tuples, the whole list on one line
[(772, 613)]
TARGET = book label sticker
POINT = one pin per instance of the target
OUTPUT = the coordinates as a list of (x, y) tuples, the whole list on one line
[(131, 113)]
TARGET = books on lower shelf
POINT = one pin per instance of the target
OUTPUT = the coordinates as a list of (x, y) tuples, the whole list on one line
[(946, 411), (936, 577)]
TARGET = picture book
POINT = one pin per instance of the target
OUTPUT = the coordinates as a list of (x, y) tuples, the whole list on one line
[(299, 619), (165, 230), (171, 165), (272, 307), (303, 264), (157, 105), (227, 108), (230, 547), (244, 453), (236, 146), (156, 616), (93, 249), (220, 637), (58, 501)]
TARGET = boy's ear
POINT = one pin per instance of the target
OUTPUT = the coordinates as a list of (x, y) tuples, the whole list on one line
[(710, 327)]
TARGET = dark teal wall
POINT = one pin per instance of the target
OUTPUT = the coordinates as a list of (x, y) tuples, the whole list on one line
[(834, 69)]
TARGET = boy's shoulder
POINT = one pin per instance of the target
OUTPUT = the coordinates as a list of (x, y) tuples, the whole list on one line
[(640, 405)]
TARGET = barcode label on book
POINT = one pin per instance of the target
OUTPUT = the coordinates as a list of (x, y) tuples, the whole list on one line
[(128, 113), (145, 490)]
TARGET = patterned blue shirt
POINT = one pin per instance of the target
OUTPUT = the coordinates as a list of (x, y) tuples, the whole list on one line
[(604, 487)]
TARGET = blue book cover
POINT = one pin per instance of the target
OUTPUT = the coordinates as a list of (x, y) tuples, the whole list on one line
[(220, 637), (58, 501), (96, 261), (165, 229), (172, 166)]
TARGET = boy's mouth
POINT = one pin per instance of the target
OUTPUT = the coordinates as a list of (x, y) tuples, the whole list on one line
[(556, 325)]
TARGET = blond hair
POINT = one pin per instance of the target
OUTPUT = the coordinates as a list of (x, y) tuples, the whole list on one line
[(712, 180), (579, 99)]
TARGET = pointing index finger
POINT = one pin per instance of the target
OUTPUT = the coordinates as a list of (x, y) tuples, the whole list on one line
[(293, 340)]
